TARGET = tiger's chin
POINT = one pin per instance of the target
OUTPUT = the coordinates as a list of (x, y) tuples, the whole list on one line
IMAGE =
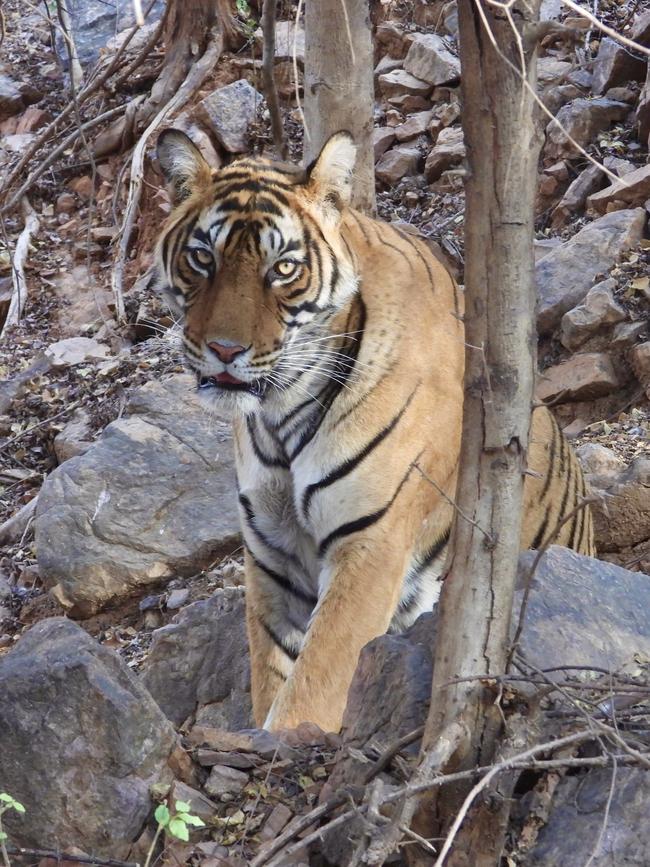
[(229, 393)]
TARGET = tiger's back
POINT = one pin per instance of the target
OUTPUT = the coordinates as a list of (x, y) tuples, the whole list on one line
[(339, 342)]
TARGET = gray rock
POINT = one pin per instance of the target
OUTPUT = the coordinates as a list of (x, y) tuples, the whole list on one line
[(627, 333), (640, 361), (622, 519), (398, 163), (288, 40), (642, 114), (430, 59), (573, 201), (82, 742), (567, 273), (614, 65), (229, 112), (598, 460), (5, 589), (225, 781), (597, 311), (75, 350), (576, 819), (199, 663), (448, 151), (95, 23), (584, 376), (154, 496), (387, 64), (382, 137), (75, 438), (15, 96), (632, 189), (399, 82), (415, 125), (583, 119), (580, 611), (550, 70)]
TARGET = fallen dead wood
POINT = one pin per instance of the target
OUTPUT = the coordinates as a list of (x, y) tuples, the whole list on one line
[(19, 295), (195, 78), (13, 528)]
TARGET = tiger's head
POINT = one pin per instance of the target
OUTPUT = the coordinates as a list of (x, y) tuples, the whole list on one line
[(250, 258)]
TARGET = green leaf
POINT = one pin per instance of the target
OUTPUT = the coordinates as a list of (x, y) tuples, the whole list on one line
[(178, 828), (183, 807), (18, 807), (5, 797), (191, 820), (162, 815)]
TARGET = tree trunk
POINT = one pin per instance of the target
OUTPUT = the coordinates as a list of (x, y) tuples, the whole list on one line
[(476, 600), (339, 92)]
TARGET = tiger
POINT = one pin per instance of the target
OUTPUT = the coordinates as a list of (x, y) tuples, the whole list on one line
[(337, 341)]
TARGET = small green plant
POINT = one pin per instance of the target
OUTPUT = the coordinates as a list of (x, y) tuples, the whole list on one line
[(7, 803), (177, 824)]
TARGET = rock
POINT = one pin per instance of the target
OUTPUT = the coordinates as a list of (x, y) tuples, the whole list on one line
[(95, 23), (640, 361), (15, 96), (416, 125), (75, 350), (82, 742), (430, 59), (598, 310), (579, 612), (396, 164), (567, 273), (622, 519), (448, 151), (153, 497), (642, 114), (17, 144), (633, 189), (399, 82), (177, 598), (575, 822), (199, 664), (225, 781), (382, 137), (32, 119), (554, 96), (75, 438), (614, 65), (618, 166), (387, 64), (200, 806), (641, 29), (285, 39), (598, 460), (228, 113), (5, 590), (543, 246), (406, 103), (627, 333), (277, 820), (65, 203), (550, 70), (83, 186), (583, 119), (391, 39), (264, 744), (583, 377), (573, 201)]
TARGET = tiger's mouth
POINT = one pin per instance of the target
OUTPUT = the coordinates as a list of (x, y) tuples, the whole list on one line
[(227, 382)]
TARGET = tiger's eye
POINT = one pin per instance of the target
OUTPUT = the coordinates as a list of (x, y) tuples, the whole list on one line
[(201, 257), (286, 268)]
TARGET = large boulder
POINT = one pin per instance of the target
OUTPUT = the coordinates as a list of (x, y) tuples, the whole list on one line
[(574, 827), (582, 119), (82, 742), (199, 663), (598, 310), (228, 113), (154, 496), (565, 275), (580, 611), (584, 376), (430, 59), (622, 517), (632, 189), (615, 64)]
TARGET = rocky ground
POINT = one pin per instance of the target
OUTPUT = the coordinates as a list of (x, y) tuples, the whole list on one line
[(108, 468)]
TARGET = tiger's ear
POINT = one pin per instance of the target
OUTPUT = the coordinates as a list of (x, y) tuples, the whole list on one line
[(182, 163), (330, 175)]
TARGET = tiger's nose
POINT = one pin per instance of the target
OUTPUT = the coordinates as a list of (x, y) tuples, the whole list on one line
[(226, 353)]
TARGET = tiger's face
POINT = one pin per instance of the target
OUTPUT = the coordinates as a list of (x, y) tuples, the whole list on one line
[(252, 261)]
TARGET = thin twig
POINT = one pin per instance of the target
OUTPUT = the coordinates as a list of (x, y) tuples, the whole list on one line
[(454, 505), (76, 72), (387, 756), (33, 427), (268, 74), (19, 293), (66, 856)]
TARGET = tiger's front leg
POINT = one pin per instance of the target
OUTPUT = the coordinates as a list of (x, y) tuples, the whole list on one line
[(363, 581)]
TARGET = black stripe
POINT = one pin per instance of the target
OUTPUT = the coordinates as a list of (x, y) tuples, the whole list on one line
[(290, 652), (551, 458), (575, 535), (366, 520), (350, 463), (386, 243), (411, 241), (560, 514), (433, 551), (250, 521), (283, 582), (537, 541), (267, 460)]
